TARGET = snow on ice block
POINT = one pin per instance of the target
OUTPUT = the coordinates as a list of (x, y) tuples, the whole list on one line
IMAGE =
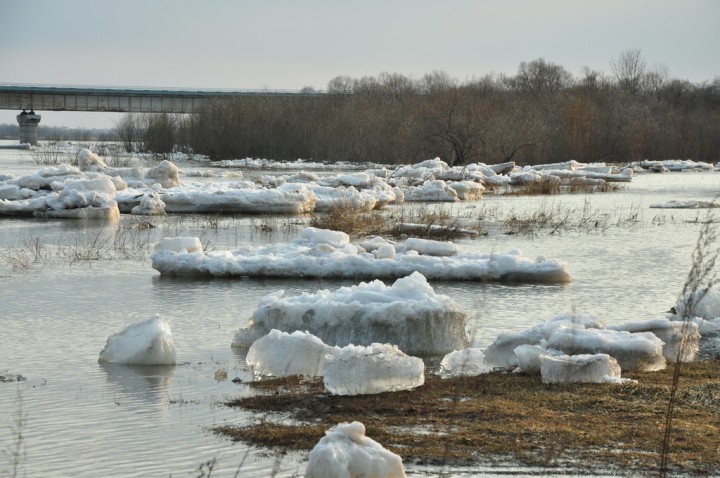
[(431, 248), (166, 174), (345, 452), (408, 314), (671, 333), (179, 244), (286, 199), (359, 370), (306, 258), (89, 161), (470, 361), (148, 342), (634, 351), (150, 205), (597, 368), (281, 354)]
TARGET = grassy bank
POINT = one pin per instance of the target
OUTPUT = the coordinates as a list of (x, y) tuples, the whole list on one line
[(500, 416)]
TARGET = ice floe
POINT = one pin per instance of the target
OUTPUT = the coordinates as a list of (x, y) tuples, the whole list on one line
[(147, 342), (316, 255), (346, 452), (408, 314)]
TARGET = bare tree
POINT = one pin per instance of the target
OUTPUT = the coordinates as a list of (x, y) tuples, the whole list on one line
[(629, 69)]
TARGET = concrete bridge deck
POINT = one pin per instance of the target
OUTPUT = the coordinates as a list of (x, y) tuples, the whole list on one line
[(30, 98), (120, 100)]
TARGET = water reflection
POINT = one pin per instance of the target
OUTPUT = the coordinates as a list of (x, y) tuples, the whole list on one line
[(148, 383)]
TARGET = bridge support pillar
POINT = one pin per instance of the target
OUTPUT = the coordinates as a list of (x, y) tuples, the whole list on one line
[(28, 127)]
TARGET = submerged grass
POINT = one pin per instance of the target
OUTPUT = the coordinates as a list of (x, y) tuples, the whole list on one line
[(473, 420)]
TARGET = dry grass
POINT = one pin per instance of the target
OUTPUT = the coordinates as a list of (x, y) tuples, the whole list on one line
[(351, 220), (550, 185), (464, 421)]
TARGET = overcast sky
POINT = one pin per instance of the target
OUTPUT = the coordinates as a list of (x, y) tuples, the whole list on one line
[(283, 44)]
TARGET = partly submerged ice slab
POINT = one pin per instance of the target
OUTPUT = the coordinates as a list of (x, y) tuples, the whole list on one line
[(345, 451), (148, 342), (359, 370), (408, 314), (312, 256)]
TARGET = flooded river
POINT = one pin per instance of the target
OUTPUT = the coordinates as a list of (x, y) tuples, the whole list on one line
[(87, 280)]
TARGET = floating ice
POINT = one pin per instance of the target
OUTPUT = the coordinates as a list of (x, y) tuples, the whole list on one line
[(150, 205), (673, 333), (281, 354), (597, 368), (166, 174), (431, 248), (705, 303), (179, 244), (378, 368), (345, 452), (148, 342), (89, 161), (470, 361), (408, 314), (311, 258)]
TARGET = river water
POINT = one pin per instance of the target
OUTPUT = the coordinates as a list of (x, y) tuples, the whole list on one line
[(89, 280)]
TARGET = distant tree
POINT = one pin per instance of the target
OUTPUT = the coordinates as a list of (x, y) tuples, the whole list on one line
[(629, 69)]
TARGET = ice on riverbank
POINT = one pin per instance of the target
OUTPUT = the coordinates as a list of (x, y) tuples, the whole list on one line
[(584, 368), (469, 362), (313, 256), (582, 334), (281, 354), (681, 339), (408, 314), (345, 452), (147, 342), (377, 368)]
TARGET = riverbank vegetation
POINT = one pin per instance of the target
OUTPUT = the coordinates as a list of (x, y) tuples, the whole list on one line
[(474, 420), (542, 114)]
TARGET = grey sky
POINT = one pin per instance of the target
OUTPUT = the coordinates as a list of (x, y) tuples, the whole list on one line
[(283, 44)]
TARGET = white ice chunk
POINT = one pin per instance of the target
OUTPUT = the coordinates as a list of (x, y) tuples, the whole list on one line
[(345, 452), (671, 333), (408, 314), (303, 258), (431, 248), (640, 351), (378, 368), (179, 244), (597, 368), (706, 303), (528, 357), (166, 174), (470, 361), (148, 342), (89, 161), (501, 352), (336, 239), (150, 205), (281, 354)]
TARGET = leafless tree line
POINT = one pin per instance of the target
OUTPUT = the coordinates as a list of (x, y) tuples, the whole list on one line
[(541, 114)]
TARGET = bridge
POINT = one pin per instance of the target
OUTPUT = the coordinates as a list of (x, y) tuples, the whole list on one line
[(30, 98)]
